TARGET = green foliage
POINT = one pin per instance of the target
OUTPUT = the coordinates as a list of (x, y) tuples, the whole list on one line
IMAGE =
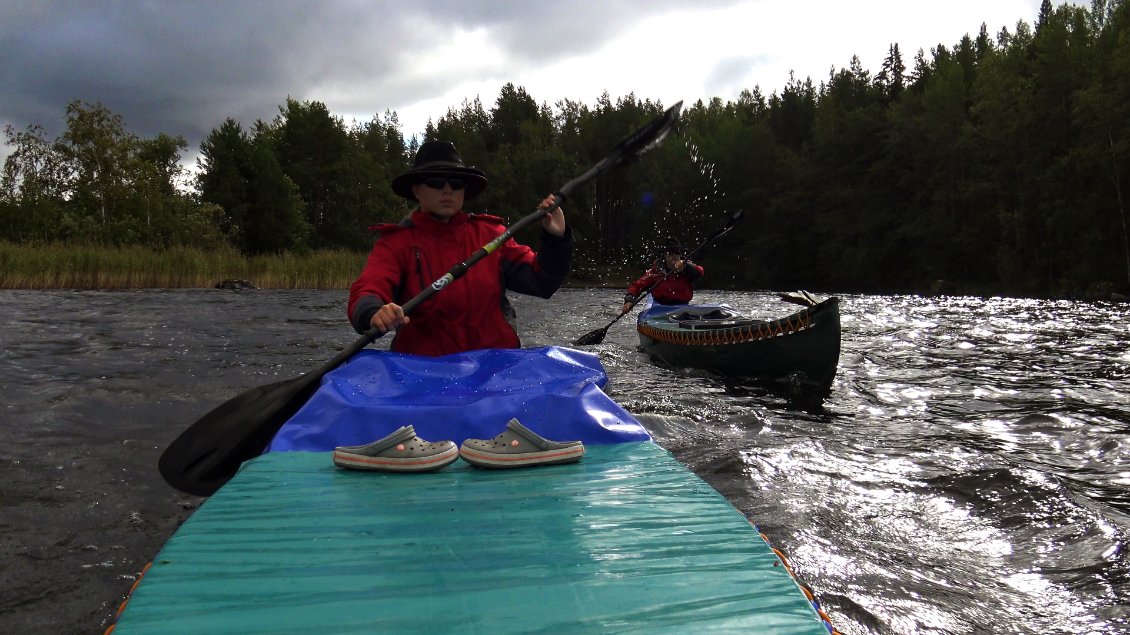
[(998, 163), (275, 221), (98, 183), (225, 174)]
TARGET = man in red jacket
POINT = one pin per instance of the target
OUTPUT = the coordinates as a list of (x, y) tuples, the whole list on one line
[(671, 280), (470, 313)]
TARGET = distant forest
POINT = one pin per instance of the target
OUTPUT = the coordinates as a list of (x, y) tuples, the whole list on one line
[(998, 164)]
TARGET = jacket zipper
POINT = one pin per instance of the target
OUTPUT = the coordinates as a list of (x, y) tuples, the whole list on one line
[(420, 269)]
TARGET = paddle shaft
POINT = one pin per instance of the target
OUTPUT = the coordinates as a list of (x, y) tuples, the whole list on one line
[(630, 147), (458, 270), (207, 454)]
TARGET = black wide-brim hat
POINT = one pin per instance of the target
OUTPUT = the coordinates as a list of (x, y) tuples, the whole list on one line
[(439, 158)]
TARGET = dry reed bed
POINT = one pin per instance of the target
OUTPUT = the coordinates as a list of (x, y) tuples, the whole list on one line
[(95, 267)]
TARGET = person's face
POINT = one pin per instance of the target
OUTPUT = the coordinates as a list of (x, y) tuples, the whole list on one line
[(673, 260), (440, 196)]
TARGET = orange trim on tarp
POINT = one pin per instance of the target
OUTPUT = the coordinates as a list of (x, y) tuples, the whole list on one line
[(129, 594)]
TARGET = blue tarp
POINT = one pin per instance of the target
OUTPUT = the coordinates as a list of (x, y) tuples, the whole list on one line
[(556, 392)]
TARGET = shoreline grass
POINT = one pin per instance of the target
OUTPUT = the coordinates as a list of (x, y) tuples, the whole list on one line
[(89, 267), (59, 266)]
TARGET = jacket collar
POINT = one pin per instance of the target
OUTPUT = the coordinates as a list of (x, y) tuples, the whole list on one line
[(427, 222)]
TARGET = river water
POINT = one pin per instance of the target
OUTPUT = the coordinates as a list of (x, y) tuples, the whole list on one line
[(969, 472)]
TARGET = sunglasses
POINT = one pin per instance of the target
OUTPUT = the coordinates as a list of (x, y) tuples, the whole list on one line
[(437, 182)]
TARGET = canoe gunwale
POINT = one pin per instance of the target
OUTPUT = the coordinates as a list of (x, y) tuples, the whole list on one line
[(717, 333)]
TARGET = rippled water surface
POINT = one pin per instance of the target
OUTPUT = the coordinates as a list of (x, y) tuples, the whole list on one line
[(968, 474)]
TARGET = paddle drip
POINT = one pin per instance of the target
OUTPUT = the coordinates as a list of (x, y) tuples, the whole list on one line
[(597, 336)]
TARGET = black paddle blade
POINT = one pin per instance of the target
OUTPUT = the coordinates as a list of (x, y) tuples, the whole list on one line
[(653, 133), (210, 451), (592, 337), (640, 141), (803, 298), (597, 336)]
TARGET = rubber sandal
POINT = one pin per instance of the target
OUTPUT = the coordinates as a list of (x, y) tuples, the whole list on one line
[(519, 446), (401, 451)]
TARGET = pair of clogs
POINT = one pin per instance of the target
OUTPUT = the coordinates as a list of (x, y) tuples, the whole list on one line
[(403, 451)]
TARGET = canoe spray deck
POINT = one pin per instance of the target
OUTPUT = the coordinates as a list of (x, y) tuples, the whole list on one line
[(626, 540)]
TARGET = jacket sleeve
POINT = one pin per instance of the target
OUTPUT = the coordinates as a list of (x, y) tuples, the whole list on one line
[(539, 273), (692, 271), (378, 283), (646, 281)]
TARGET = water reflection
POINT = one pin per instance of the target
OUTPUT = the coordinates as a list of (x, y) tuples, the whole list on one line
[(923, 496)]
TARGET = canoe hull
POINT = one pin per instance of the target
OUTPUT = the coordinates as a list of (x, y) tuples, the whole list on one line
[(803, 346)]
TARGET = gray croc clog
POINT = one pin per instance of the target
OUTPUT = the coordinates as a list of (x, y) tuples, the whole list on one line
[(401, 451), (518, 446)]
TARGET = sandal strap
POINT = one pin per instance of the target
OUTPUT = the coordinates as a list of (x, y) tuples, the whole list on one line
[(402, 434), (534, 438)]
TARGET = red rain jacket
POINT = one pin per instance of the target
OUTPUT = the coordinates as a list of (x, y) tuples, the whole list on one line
[(469, 313)]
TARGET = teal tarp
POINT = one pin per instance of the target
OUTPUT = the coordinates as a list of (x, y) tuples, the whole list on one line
[(627, 540)]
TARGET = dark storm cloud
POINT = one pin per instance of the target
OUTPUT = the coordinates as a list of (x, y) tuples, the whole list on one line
[(182, 67), (175, 68)]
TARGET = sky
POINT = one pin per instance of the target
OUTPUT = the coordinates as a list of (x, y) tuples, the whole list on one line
[(182, 67)]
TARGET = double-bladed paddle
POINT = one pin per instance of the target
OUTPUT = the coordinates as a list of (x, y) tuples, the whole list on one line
[(597, 336), (210, 451)]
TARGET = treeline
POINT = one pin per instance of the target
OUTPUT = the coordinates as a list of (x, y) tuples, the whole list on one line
[(997, 164)]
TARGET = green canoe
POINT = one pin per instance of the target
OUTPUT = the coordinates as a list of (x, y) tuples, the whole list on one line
[(801, 348)]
